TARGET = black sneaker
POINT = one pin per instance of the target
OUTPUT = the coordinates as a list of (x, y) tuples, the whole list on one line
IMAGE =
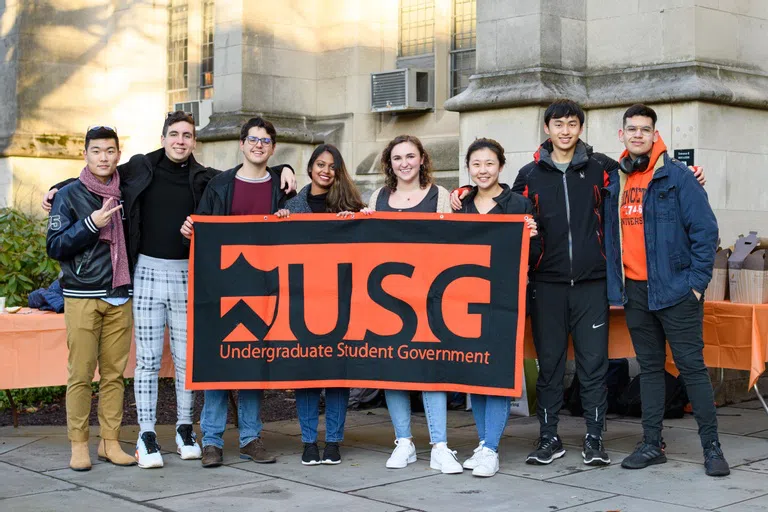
[(593, 452), (645, 454), (311, 455), (150, 441), (547, 450), (331, 454), (714, 460), (186, 443)]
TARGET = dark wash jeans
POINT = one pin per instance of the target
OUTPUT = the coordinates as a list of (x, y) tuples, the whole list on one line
[(682, 326)]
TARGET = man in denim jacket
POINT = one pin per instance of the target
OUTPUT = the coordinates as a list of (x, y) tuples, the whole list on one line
[(660, 240)]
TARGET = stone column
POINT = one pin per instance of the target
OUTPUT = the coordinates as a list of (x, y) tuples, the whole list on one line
[(700, 63), (529, 52), (265, 63)]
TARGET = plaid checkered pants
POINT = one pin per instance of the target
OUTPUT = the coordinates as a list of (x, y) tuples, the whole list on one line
[(160, 299)]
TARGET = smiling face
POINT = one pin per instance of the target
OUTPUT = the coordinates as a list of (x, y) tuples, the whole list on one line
[(323, 172), (564, 132), (484, 168), (179, 141), (258, 152), (101, 157), (406, 160), (638, 135)]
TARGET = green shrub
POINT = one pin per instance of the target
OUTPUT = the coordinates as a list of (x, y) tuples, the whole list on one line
[(32, 397), (24, 264)]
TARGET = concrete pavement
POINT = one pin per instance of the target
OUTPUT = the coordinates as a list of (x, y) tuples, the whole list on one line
[(34, 475)]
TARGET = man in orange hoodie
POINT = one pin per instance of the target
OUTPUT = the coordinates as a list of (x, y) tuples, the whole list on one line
[(660, 241)]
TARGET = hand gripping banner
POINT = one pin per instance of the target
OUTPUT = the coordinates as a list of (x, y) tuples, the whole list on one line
[(397, 301)]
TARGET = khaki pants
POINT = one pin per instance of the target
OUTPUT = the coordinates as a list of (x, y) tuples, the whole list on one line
[(97, 332)]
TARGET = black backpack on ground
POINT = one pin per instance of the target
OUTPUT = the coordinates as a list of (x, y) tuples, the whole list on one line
[(624, 395), (616, 379), (629, 403)]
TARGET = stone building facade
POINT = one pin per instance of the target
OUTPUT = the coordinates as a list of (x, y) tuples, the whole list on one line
[(307, 64), (702, 64)]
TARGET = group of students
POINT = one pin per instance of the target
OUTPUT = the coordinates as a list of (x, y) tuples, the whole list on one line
[(637, 233)]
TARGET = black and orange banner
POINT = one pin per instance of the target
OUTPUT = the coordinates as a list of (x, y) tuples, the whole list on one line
[(395, 301)]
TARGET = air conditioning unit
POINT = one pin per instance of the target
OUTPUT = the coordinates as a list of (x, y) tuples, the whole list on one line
[(201, 110), (402, 90)]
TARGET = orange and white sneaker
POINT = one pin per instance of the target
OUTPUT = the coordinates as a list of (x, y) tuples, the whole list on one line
[(148, 451)]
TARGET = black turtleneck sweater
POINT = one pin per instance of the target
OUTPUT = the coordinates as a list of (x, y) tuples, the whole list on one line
[(317, 203), (165, 205)]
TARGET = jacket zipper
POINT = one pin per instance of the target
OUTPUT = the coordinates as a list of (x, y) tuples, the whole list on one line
[(568, 216), (86, 259)]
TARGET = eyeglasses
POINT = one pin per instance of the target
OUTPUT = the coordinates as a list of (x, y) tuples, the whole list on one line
[(99, 127), (255, 140), (646, 131), (169, 114)]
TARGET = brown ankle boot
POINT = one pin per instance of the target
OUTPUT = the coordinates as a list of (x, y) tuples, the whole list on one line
[(111, 451), (81, 459)]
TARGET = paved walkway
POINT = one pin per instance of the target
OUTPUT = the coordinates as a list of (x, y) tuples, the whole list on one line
[(34, 474)]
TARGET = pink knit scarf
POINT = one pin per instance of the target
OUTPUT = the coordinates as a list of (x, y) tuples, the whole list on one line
[(113, 232)]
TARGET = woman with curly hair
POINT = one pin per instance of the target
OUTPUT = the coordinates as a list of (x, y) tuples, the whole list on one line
[(408, 184), (409, 188)]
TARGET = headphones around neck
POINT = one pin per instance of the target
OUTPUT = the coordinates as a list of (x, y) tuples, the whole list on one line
[(639, 164)]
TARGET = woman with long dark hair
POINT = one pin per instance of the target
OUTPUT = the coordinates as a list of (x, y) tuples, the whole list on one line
[(331, 191), (409, 187), (485, 161)]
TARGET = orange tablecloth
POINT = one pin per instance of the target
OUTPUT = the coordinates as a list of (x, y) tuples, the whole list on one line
[(33, 347), (735, 337), (33, 351)]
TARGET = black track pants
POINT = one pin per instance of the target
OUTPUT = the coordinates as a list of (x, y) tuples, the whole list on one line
[(557, 310)]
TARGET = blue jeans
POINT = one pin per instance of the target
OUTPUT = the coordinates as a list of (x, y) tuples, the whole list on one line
[(435, 408), (308, 408), (491, 414), (213, 420)]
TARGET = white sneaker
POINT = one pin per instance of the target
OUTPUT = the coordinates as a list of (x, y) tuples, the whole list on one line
[(186, 443), (487, 463), (148, 451), (404, 454), (444, 459), (471, 463)]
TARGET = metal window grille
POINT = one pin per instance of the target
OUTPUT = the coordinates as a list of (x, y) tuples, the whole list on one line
[(178, 78), (463, 43), (417, 27), (206, 51)]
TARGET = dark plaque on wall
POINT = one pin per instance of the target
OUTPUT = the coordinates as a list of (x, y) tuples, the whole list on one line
[(685, 156)]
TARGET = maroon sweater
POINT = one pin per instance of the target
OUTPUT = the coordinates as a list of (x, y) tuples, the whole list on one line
[(252, 197)]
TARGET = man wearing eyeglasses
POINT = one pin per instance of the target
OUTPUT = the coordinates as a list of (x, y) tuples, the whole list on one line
[(660, 240), (251, 188), (170, 184)]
